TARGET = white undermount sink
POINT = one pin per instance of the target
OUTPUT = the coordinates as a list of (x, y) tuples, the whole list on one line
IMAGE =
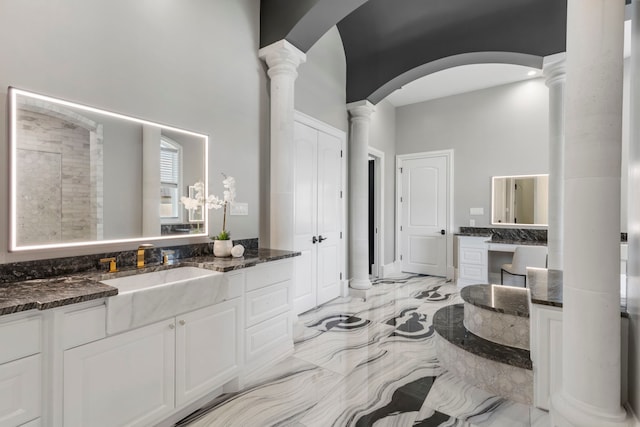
[(145, 298), (172, 277)]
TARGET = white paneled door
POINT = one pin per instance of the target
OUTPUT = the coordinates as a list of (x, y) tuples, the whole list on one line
[(423, 215), (318, 216)]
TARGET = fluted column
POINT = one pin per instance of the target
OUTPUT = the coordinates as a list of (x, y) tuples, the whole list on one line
[(283, 60), (360, 113), (590, 390), (555, 77)]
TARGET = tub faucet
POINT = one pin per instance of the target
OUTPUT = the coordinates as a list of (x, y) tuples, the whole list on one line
[(141, 249)]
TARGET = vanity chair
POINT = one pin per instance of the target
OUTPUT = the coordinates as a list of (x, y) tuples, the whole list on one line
[(523, 257)]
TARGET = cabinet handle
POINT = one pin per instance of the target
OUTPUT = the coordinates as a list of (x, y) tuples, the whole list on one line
[(182, 322), (314, 240), (172, 326), (321, 239)]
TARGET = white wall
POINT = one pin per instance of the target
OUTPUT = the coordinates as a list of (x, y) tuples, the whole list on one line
[(190, 64), (383, 138), (497, 131), (322, 81)]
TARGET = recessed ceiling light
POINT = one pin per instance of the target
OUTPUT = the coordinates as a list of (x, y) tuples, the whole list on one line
[(532, 73)]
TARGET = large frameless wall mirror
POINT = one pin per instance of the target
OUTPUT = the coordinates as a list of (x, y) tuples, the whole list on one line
[(522, 200), (82, 176)]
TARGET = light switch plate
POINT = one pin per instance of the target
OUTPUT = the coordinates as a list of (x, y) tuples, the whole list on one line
[(239, 209), (476, 211), (472, 223)]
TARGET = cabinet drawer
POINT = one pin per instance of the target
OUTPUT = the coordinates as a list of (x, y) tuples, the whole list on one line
[(472, 256), (268, 274), (25, 336), (267, 302), (84, 326), (267, 336), (20, 391), (473, 272)]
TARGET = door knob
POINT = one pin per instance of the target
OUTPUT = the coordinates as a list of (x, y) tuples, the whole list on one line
[(320, 238), (442, 232), (314, 240)]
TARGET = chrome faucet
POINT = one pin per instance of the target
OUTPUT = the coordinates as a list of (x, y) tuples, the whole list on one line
[(141, 249)]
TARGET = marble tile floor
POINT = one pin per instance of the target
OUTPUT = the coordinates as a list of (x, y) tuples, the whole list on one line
[(368, 363)]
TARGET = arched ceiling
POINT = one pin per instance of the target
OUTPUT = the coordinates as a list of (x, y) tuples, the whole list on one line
[(389, 43)]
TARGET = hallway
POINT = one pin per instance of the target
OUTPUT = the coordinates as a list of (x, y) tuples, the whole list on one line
[(368, 363)]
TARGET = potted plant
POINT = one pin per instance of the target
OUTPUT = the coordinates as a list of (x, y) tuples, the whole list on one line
[(222, 242)]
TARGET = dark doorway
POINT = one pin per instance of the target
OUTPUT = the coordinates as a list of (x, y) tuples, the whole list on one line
[(372, 223)]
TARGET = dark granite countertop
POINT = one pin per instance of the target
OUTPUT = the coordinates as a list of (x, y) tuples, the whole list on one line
[(498, 298), (448, 323), (518, 242), (480, 234), (54, 292), (545, 287)]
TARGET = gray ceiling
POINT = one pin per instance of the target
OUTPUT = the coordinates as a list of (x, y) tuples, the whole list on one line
[(389, 43)]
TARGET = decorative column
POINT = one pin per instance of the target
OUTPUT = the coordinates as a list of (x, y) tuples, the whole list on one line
[(590, 391), (555, 77), (283, 60), (633, 212), (359, 193)]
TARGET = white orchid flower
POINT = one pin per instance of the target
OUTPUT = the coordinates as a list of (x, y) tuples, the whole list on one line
[(189, 203)]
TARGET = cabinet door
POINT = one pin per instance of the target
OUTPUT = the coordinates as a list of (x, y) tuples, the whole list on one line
[(20, 391), (124, 380), (207, 349)]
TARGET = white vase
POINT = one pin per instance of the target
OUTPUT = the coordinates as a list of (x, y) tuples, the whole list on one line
[(222, 248)]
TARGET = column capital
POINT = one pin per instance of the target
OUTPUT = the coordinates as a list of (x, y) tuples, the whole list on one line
[(282, 58), (361, 110), (554, 68)]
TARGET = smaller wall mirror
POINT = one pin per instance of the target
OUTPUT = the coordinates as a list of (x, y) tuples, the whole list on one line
[(520, 199), (82, 176)]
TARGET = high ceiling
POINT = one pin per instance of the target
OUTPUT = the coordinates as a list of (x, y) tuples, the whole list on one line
[(389, 43)]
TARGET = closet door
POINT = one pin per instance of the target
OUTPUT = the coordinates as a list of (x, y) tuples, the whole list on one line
[(305, 216), (329, 218)]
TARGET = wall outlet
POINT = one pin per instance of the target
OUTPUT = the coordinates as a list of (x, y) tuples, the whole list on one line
[(239, 209), (472, 223), (476, 211)]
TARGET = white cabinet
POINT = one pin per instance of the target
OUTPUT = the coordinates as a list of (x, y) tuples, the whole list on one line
[(472, 260), (268, 301), (318, 212), (546, 353), (140, 377), (20, 369), (126, 379), (207, 349)]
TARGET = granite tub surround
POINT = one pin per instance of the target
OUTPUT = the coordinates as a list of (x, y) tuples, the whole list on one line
[(545, 287), (505, 329), (498, 313), (499, 369), (498, 298), (383, 384)]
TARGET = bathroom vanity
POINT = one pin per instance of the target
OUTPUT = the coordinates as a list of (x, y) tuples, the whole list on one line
[(144, 347)]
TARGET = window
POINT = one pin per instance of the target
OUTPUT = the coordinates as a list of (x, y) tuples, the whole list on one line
[(170, 177)]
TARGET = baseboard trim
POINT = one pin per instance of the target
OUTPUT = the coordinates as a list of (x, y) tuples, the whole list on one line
[(635, 422), (391, 269)]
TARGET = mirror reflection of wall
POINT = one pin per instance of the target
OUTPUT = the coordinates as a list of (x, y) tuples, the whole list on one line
[(520, 199), (83, 175)]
